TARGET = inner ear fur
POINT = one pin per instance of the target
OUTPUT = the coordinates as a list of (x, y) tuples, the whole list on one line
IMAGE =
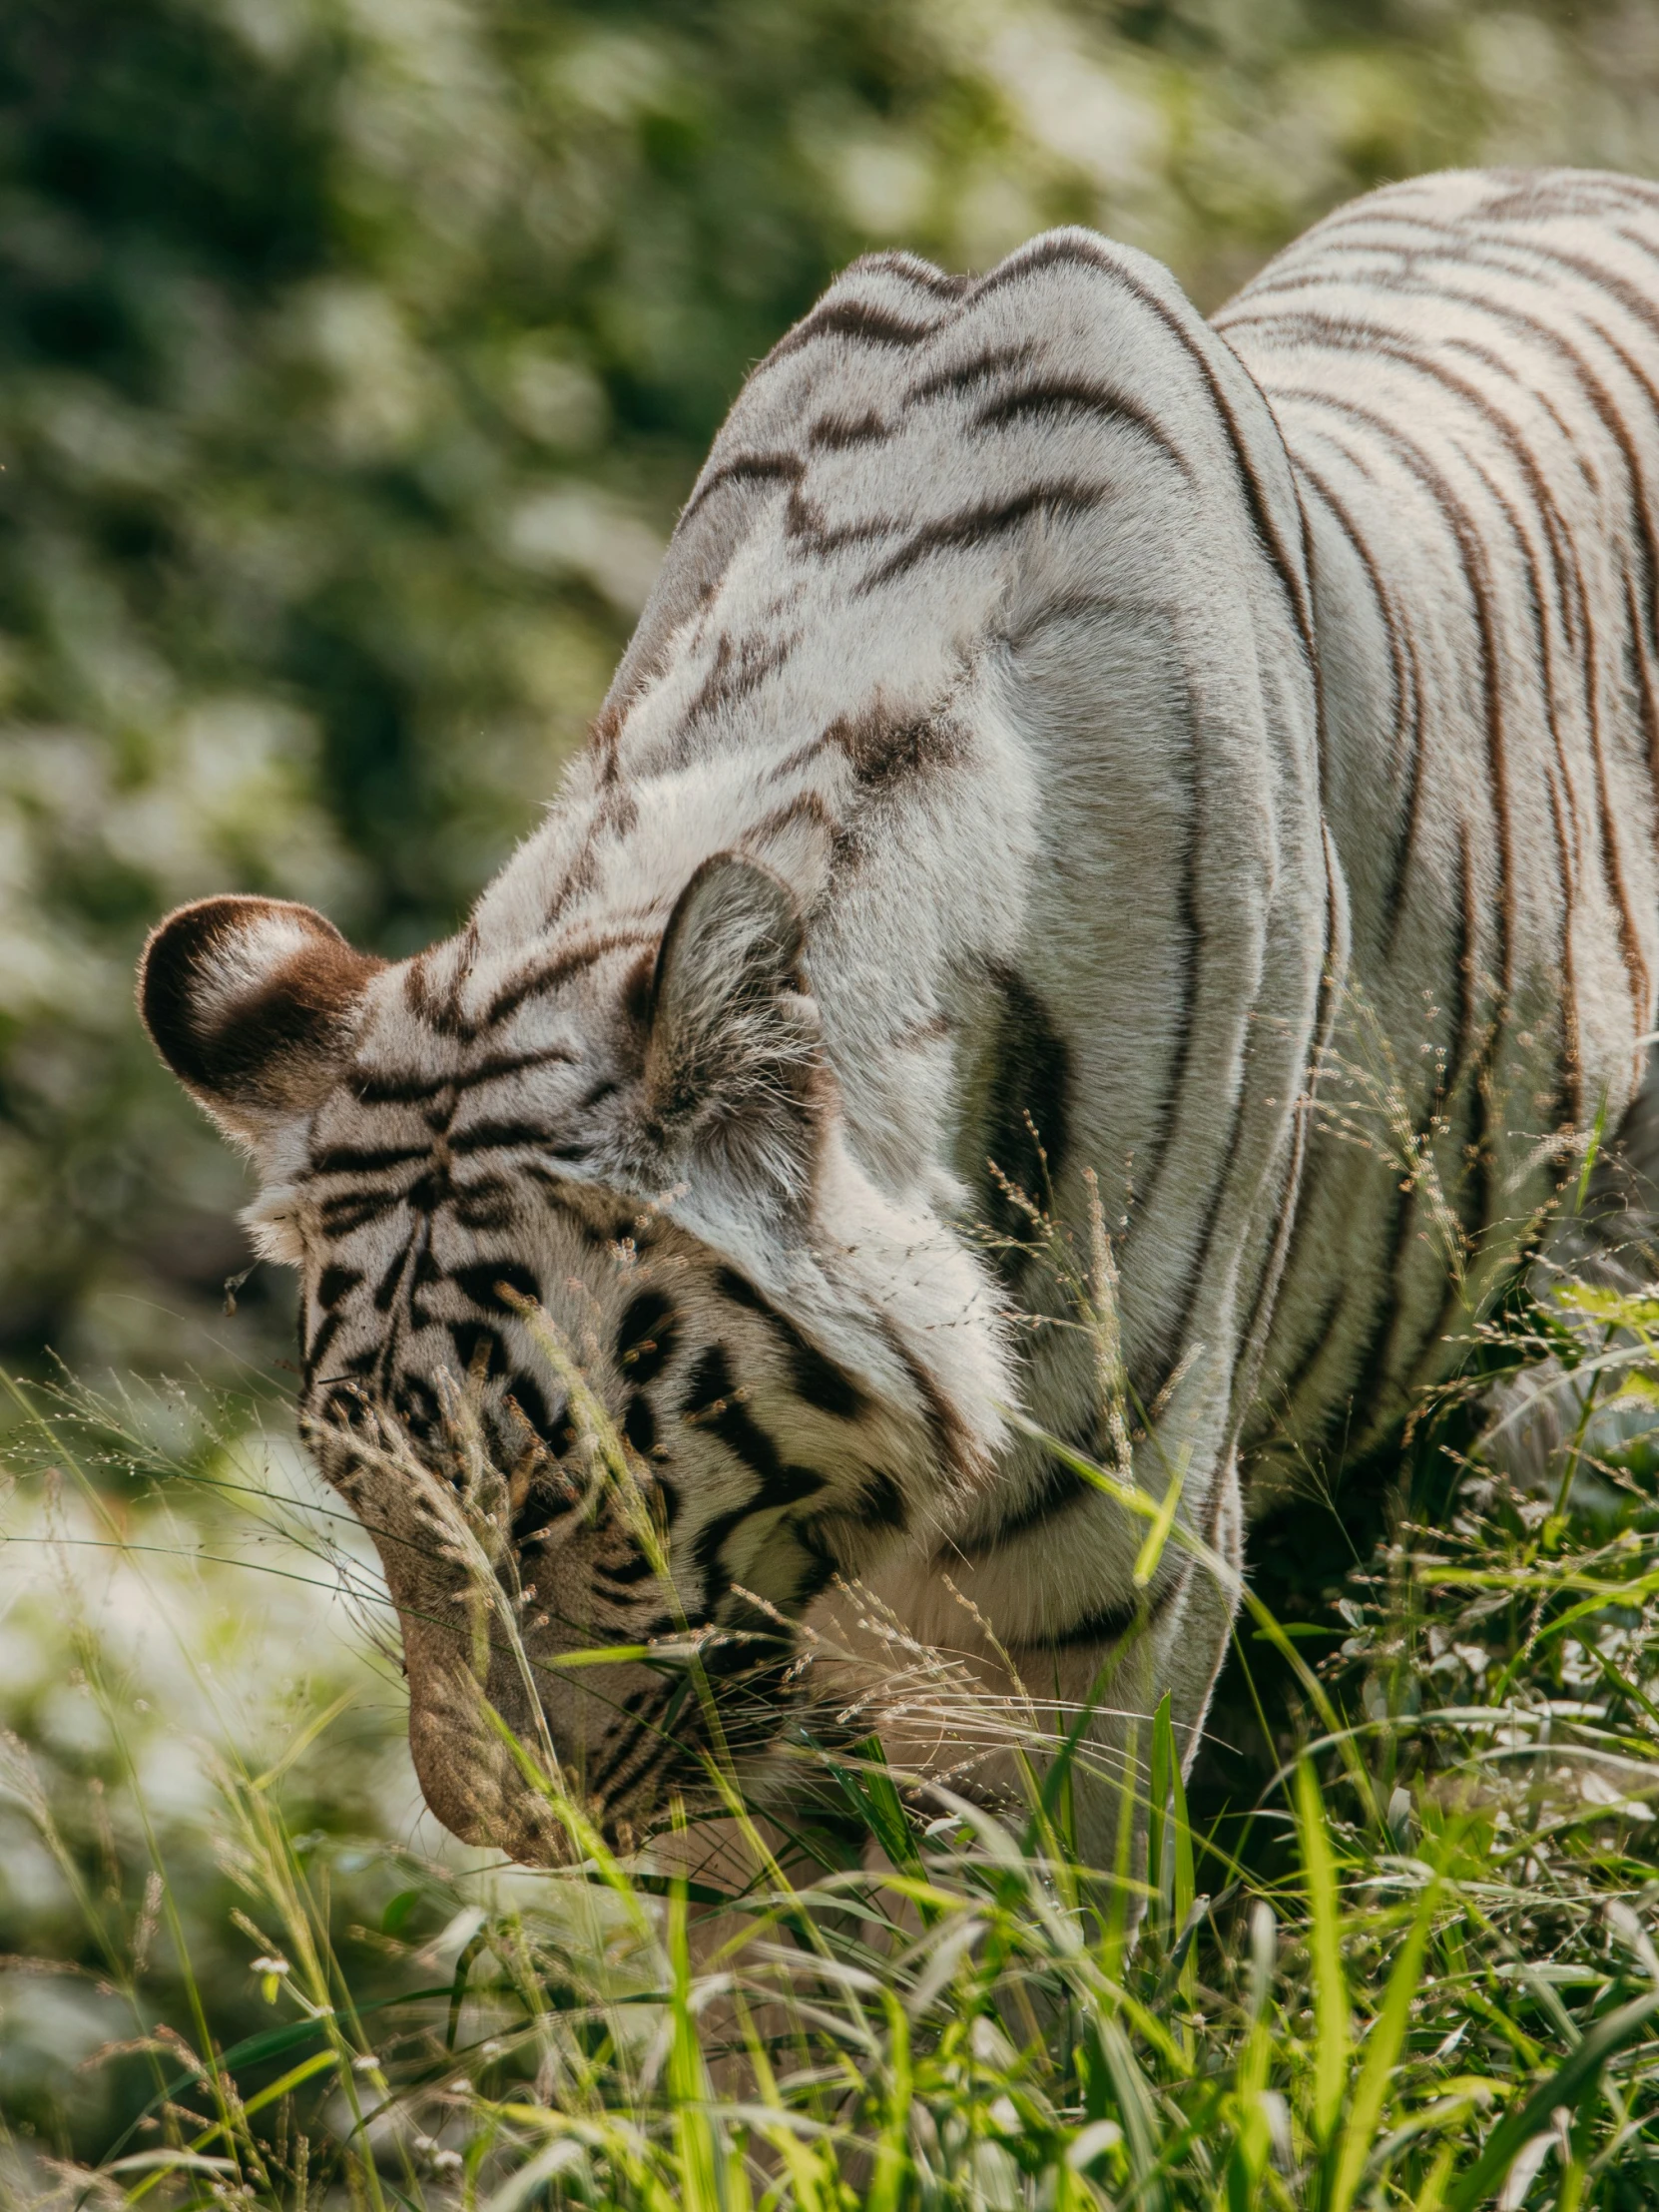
[(253, 1003), (733, 1036)]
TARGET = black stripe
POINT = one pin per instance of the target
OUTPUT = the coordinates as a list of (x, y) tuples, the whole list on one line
[(948, 1435), (558, 967), (344, 1159), (962, 375), (485, 1204), (881, 1504), (316, 1349), (479, 1349), (1190, 950), (582, 873), (544, 1503), (884, 749), (815, 1377), (1635, 964), (1557, 342), (341, 1215), (443, 1015), (644, 1708), (1109, 1622), (744, 468), (1569, 1062), (712, 1405), (1060, 1490), (737, 672), (620, 1783), (1103, 1626), (397, 1090), (410, 1089), (978, 525), (1287, 1210), (646, 1337), (1211, 1206), (1469, 1191), (1393, 897), (499, 1136), (335, 1284), (1644, 687), (481, 1282), (1057, 395), (1378, 341), (639, 1424), (557, 1434), (804, 524), (834, 434), (805, 806), (1563, 565), (392, 1276), (819, 1565), (636, 1569), (1026, 1133), (860, 320), (1463, 943), (910, 269), (1296, 1203)]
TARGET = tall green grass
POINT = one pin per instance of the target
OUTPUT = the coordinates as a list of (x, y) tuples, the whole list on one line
[(1412, 1965)]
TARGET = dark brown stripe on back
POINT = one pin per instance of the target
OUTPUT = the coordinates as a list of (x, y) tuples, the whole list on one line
[(861, 320), (962, 376), (978, 525), (1053, 397), (910, 269), (744, 468)]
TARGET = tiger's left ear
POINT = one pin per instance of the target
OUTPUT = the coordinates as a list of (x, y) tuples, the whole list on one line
[(733, 1059), (253, 1003)]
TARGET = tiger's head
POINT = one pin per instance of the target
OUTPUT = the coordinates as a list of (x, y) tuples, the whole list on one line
[(588, 1185)]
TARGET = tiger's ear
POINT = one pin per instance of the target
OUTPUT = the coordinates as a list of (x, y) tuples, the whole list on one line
[(251, 1003), (732, 1056)]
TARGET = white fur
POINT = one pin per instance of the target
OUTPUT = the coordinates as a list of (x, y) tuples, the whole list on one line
[(1128, 739)]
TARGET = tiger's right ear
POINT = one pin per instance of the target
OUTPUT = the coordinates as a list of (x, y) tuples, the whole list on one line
[(253, 1003)]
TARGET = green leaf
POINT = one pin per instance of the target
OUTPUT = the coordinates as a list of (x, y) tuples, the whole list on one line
[(1332, 2024), (397, 1912), (1571, 2084), (1383, 2044), (869, 1789), (1163, 1765)]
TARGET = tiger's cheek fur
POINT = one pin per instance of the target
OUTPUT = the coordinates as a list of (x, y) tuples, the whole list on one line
[(438, 1405)]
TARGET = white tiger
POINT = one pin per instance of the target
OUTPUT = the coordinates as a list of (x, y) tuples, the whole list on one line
[(1061, 728)]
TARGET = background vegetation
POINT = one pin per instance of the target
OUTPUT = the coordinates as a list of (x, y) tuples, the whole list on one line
[(354, 356)]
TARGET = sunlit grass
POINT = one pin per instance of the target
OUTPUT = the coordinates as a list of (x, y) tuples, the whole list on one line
[(1421, 1973)]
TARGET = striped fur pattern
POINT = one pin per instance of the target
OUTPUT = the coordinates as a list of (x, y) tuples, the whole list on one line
[(1466, 370), (1066, 739)]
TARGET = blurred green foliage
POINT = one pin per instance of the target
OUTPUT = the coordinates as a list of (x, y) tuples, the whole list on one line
[(354, 355)]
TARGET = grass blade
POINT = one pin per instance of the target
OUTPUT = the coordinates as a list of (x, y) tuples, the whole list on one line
[(1332, 2024), (1382, 2050), (1570, 2085)]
